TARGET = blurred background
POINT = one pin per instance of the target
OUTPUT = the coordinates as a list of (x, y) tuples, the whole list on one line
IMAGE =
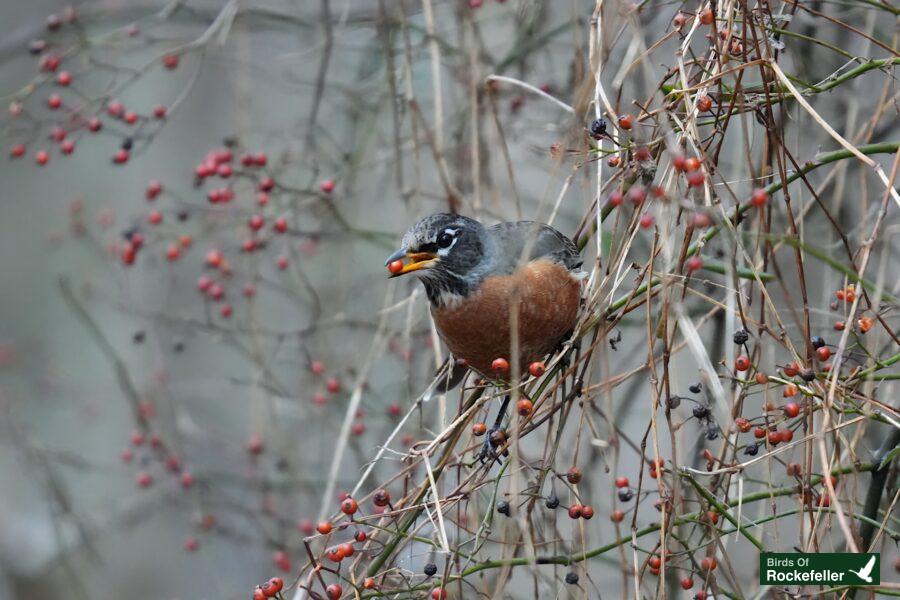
[(156, 444)]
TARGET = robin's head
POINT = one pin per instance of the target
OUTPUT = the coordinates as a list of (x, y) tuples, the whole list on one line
[(445, 251)]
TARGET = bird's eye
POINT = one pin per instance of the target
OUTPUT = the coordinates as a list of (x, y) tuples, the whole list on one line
[(444, 240)]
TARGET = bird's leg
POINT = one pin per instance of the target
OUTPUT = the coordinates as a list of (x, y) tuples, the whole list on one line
[(495, 430)]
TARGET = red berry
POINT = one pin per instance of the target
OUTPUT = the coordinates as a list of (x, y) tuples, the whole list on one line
[(575, 511), (621, 482), (694, 263), (524, 407), (334, 591), (67, 147), (823, 353), (625, 122), (791, 409), (787, 435), (500, 366), (130, 117), (280, 225), (334, 554), (742, 424), (707, 16), (255, 444), (708, 563), (696, 178), (18, 151), (687, 583), (691, 164), (154, 188), (42, 157), (646, 221), (54, 101), (616, 198), (349, 506), (324, 527), (63, 78), (121, 156), (170, 61), (155, 217), (759, 197), (191, 544), (741, 363), (333, 385), (259, 594), (94, 125), (327, 186), (115, 109), (536, 369), (159, 111), (587, 512), (144, 479), (441, 593), (704, 103), (187, 479), (574, 475), (616, 516), (637, 195), (276, 584), (256, 222)]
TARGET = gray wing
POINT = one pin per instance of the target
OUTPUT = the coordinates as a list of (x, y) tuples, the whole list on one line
[(542, 240)]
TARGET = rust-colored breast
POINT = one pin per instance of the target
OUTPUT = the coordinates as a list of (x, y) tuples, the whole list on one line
[(477, 329)]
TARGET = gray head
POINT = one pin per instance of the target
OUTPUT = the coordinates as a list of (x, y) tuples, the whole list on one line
[(445, 251)]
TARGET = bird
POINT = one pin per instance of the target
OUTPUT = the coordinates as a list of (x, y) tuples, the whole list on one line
[(866, 572), (474, 275)]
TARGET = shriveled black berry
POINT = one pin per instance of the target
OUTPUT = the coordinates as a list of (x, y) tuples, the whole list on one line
[(807, 375), (625, 495), (127, 143), (178, 347), (712, 432), (673, 401), (183, 215), (571, 578), (430, 569), (503, 507), (701, 411), (751, 450), (741, 336), (695, 389), (138, 337), (552, 501), (598, 128), (817, 342)]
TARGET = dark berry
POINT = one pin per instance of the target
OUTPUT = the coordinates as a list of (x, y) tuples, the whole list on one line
[(695, 389), (571, 578), (712, 432), (701, 411), (625, 495), (430, 569), (751, 450), (598, 128), (741, 336), (817, 342), (503, 507), (552, 501)]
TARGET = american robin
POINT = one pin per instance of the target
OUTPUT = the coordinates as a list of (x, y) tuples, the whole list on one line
[(474, 276)]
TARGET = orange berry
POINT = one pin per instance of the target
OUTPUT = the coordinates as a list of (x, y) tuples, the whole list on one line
[(742, 424), (479, 429), (704, 103), (625, 122), (537, 369), (708, 563), (790, 390), (524, 407), (621, 482), (707, 16), (616, 516), (742, 363), (791, 409), (574, 475), (762, 378)]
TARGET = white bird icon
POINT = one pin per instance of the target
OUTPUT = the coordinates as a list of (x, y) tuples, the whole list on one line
[(865, 572)]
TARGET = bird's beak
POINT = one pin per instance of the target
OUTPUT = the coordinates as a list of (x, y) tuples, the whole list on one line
[(417, 261)]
